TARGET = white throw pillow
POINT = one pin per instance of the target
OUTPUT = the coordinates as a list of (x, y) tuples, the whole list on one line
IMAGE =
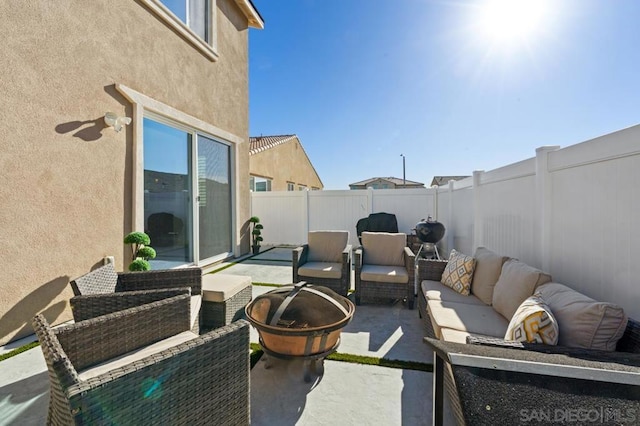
[(533, 322)]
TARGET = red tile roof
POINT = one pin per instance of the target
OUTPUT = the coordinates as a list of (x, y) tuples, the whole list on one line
[(262, 143)]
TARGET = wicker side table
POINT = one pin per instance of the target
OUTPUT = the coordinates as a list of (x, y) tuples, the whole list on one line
[(224, 298)]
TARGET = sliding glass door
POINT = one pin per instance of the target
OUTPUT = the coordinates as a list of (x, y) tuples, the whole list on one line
[(187, 195), (214, 198)]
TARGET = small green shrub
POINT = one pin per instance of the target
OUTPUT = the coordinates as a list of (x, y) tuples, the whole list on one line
[(141, 251), (139, 265)]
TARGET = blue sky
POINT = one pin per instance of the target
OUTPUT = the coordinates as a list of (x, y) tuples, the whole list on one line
[(361, 82)]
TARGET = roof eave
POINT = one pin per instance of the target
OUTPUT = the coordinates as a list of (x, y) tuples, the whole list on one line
[(252, 14)]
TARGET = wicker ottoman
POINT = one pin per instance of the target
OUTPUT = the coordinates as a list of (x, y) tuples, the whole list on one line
[(224, 298)]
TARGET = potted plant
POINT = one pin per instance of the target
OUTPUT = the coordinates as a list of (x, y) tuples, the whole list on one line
[(141, 251), (256, 230)]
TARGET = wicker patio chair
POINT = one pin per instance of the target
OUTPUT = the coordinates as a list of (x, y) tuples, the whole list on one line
[(103, 290), (143, 366), (325, 260), (384, 269), (490, 381)]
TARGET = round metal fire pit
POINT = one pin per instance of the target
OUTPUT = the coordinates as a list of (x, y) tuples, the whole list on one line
[(300, 321)]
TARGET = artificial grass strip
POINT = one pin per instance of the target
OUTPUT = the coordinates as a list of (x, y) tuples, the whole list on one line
[(382, 362), (268, 284), (19, 350), (256, 350), (224, 267)]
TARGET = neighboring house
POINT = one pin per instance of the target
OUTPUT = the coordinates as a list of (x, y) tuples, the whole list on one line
[(73, 187), (280, 163), (385, 183), (444, 180)]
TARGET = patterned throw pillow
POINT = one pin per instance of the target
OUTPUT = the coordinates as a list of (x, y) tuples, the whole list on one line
[(533, 322), (459, 272)]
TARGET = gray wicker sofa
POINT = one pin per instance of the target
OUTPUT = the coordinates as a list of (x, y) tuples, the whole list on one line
[(491, 381)]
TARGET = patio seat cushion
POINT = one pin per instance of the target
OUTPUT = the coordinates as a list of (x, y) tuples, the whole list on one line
[(458, 273), (221, 287), (130, 357), (327, 246), (486, 273), (517, 282), (384, 274), (384, 248), (321, 270), (476, 319), (584, 322), (457, 336), (533, 322), (435, 290)]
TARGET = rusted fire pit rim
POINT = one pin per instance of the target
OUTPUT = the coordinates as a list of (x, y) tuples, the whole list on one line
[(309, 331)]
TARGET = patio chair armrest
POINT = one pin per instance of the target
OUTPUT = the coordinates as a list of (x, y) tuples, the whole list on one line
[(95, 340), (430, 269), (167, 278), (496, 385), (95, 305), (346, 258), (536, 353), (300, 255), (409, 258), (572, 352), (210, 372), (358, 256)]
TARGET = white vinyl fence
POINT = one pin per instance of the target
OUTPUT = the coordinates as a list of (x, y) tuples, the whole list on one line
[(573, 212)]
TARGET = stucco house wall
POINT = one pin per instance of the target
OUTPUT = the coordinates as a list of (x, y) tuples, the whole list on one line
[(66, 179), (285, 163)]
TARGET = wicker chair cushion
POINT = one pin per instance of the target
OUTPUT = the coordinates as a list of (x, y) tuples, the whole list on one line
[(517, 282), (435, 290), (221, 287), (383, 248), (533, 322), (457, 336), (321, 270), (384, 274), (459, 272), (476, 319), (486, 274), (133, 356), (584, 322), (327, 246)]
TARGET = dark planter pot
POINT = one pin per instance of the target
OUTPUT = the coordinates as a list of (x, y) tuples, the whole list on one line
[(256, 249)]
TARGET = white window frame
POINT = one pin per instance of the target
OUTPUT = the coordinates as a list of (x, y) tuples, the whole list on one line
[(291, 186), (210, 48), (144, 106), (252, 183)]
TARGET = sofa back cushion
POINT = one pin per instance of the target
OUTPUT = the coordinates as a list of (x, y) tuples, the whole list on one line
[(584, 322), (384, 248), (533, 322), (487, 272), (459, 272), (517, 282), (327, 246)]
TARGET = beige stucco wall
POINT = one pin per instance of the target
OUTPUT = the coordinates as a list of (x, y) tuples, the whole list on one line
[(66, 180), (284, 163)]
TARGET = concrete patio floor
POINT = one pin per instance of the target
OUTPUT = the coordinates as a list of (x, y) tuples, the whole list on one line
[(345, 394)]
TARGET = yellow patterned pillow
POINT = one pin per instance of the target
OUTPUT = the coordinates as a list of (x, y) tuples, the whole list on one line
[(533, 322), (459, 272)]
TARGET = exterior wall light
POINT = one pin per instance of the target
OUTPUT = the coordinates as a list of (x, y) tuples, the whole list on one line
[(113, 120)]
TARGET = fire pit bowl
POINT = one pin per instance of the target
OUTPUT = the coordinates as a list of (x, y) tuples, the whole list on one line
[(300, 320)]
